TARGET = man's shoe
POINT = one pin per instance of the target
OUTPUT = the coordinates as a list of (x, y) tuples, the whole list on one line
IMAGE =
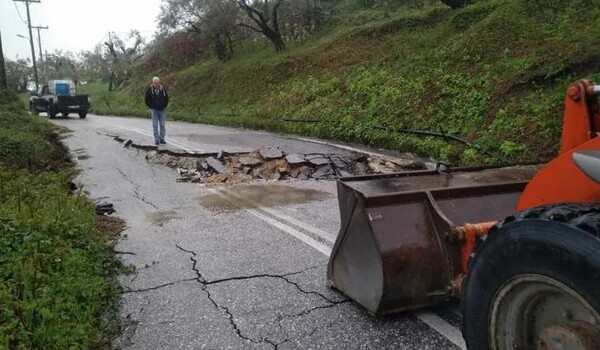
[(163, 142)]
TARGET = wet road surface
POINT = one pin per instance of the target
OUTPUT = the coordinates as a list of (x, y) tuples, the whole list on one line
[(239, 267)]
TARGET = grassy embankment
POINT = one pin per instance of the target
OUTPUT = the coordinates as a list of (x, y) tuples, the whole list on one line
[(494, 72), (57, 270)]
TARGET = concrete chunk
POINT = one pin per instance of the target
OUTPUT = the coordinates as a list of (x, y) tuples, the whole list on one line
[(295, 158), (249, 160), (323, 172), (216, 165), (319, 161), (270, 153)]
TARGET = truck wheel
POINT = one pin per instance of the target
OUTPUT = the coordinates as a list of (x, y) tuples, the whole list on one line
[(65, 114), (82, 114), (533, 282)]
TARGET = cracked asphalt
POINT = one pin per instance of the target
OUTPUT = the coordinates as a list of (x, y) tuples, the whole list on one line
[(212, 272)]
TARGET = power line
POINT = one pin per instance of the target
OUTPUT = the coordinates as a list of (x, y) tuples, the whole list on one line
[(35, 73), (19, 13)]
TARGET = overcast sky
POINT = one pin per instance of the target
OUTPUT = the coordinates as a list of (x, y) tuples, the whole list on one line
[(74, 24)]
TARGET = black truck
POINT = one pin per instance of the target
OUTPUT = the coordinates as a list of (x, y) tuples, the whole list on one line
[(59, 96)]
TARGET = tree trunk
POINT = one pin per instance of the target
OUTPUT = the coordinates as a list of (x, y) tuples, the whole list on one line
[(2, 67), (271, 32), (222, 49), (111, 81), (275, 38), (230, 43)]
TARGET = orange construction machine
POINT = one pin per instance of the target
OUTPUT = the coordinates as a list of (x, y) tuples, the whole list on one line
[(529, 281)]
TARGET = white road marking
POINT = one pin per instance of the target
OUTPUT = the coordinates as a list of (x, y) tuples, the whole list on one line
[(286, 228), (316, 231), (336, 145), (178, 144), (444, 328)]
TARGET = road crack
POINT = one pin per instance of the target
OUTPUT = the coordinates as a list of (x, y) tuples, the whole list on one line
[(142, 290), (284, 277), (136, 190)]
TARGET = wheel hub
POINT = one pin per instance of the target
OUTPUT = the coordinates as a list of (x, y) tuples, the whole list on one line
[(538, 312), (570, 336)]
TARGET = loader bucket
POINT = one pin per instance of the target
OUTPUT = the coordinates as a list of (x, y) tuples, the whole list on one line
[(396, 249)]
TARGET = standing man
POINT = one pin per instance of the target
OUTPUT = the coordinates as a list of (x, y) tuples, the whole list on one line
[(157, 100)]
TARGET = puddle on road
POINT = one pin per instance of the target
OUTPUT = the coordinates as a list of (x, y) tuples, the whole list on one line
[(254, 196), (159, 218)]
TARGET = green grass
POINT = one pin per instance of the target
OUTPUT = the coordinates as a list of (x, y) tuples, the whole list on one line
[(57, 271), (494, 72)]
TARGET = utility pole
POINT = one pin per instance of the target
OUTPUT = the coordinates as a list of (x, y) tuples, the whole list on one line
[(35, 75), (3, 82), (40, 45)]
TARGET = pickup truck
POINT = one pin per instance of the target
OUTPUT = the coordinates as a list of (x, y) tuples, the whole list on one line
[(59, 96)]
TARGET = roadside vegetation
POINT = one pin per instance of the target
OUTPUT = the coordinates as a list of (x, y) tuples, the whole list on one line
[(57, 269), (493, 72)]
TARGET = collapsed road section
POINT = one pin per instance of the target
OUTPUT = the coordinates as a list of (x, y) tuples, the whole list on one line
[(270, 164)]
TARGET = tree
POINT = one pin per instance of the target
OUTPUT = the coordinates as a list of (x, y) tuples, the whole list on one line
[(60, 65), (18, 73), (169, 52), (94, 64), (263, 17), (123, 53), (212, 19)]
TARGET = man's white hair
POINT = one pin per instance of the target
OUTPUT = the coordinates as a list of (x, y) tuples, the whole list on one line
[(156, 80)]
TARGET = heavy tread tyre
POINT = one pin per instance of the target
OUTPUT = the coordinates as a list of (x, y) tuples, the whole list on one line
[(582, 218), (83, 114)]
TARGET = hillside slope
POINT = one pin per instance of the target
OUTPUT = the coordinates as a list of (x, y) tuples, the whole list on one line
[(493, 72)]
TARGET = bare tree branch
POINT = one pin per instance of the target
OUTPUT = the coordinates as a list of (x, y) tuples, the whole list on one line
[(250, 27)]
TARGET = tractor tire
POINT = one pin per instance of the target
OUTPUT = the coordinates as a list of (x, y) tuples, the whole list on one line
[(533, 276), (82, 114)]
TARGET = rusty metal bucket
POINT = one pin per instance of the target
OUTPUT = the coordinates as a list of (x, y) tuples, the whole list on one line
[(396, 250)]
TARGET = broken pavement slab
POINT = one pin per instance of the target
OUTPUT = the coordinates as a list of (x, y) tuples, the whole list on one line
[(323, 172), (216, 165), (249, 161), (295, 158), (318, 159), (269, 153), (271, 163)]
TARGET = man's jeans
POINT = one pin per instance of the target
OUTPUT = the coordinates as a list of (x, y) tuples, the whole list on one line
[(158, 119)]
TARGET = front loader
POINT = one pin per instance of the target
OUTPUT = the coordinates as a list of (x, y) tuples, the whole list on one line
[(529, 281)]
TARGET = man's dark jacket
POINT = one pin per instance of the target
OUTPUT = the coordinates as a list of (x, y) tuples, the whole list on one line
[(157, 98)]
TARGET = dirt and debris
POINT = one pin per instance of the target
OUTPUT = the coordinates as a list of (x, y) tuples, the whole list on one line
[(272, 164), (104, 209)]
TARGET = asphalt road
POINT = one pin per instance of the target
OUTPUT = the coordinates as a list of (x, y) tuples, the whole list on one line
[(231, 267)]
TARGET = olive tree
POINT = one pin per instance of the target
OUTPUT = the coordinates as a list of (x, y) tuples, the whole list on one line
[(213, 19), (123, 52)]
